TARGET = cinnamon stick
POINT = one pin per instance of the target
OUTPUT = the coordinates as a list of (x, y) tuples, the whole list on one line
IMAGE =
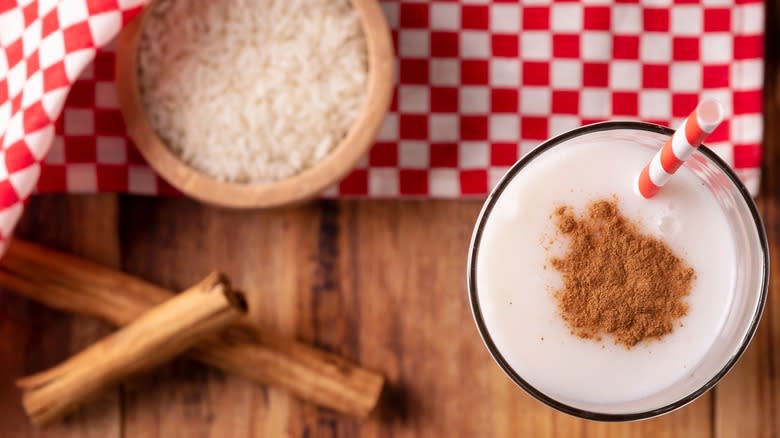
[(76, 285), (154, 338)]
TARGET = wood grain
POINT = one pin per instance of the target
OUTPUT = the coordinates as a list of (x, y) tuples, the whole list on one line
[(746, 401), (35, 337), (267, 256)]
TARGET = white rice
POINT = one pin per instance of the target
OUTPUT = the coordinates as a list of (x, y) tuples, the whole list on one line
[(252, 91)]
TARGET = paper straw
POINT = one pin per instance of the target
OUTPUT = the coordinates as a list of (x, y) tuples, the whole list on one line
[(696, 127)]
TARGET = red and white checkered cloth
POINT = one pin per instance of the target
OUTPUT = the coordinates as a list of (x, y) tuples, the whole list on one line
[(480, 82)]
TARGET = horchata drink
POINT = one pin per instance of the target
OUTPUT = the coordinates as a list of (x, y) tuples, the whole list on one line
[(602, 295)]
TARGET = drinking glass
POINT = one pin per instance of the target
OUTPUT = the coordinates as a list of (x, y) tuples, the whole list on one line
[(751, 282)]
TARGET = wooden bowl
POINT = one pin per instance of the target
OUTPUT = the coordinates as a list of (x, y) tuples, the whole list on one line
[(299, 187)]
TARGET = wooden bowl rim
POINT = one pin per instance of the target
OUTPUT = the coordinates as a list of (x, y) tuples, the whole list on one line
[(299, 187)]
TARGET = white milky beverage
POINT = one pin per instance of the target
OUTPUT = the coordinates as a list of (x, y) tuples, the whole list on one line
[(514, 284)]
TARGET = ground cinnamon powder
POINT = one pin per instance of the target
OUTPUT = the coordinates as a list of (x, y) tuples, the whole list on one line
[(617, 281)]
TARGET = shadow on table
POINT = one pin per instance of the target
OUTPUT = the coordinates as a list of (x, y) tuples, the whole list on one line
[(396, 404)]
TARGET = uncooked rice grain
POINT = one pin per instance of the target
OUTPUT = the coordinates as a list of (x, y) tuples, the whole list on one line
[(252, 91)]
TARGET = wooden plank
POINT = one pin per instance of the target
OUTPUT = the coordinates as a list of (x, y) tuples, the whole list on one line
[(744, 398), (746, 401), (769, 380), (266, 254), (408, 264), (35, 337), (694, 420)]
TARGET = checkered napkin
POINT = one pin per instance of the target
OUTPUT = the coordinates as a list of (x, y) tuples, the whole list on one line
[(480, 82), (45, 46)]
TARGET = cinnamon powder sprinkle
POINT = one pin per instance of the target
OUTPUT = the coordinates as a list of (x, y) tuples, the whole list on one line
[(617, 281)]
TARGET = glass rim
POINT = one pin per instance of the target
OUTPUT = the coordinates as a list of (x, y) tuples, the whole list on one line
[(487, 208)]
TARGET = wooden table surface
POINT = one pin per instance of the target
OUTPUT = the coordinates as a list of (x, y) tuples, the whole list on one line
[(379, 282)]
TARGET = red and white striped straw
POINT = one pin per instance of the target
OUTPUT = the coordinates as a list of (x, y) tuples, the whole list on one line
[(696, 127)]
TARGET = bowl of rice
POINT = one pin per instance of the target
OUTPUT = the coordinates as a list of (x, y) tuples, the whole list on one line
[(254, 103)]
